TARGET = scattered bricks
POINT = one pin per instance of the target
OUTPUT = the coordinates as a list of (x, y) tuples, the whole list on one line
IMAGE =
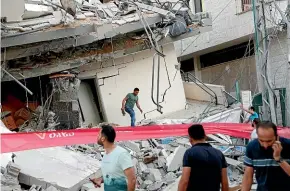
[(10, 188), (139, 180), (156, 144), (145, 144), (149, 159), (22, 113), (132, 145), (164, 153), (51, 188), (161, 162), (145, 184), (170, 178), (19, 122), (142, 167), (33, 105), (9, 122), (155, 186), (173, 144), (65, 106), (135, 163), (174, 161), (35, 188), (155, 173), (13, 169), (65, 96)]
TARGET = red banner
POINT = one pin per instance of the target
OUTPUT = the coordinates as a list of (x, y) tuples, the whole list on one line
[(11, 142)]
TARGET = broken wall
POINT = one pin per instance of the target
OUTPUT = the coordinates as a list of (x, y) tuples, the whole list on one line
[(193, 91), (116, 78)]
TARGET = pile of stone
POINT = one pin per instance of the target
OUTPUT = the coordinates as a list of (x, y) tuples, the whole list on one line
[(158, 162), (9, 177)]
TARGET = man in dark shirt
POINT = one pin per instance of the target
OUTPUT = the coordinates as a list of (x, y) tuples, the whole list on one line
[(269, 157), (204, 167)]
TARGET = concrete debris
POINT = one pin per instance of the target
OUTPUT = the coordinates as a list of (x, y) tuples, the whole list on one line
[(9, 179), (132, 145), (156, 186), (158, 165), (174, 160)]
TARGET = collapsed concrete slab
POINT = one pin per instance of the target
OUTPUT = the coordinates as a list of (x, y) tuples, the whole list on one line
[(174, 160), (46, 167)]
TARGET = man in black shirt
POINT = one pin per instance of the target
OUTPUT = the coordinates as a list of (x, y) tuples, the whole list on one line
[(204, 167), (269, 157)]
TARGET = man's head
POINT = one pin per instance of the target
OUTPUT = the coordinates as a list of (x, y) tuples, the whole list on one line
[(256, 121), (267, 133), (136, 91), (252, 109), (106, 135), (196, 133)]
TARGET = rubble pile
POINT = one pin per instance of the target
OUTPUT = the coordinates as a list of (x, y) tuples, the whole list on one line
[(158, 162), (178, 18)]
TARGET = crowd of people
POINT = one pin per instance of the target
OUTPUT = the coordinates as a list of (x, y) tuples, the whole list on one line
[(204, 167)]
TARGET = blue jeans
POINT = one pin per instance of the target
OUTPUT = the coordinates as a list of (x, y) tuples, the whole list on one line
[(131, 112)]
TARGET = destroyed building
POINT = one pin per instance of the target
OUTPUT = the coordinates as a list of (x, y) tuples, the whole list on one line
[(91, 58), (69, 64)]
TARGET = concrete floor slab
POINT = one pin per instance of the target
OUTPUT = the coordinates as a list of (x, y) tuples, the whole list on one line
[(53, 166)]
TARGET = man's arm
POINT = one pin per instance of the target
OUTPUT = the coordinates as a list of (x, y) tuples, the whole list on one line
[(97, 181), (138, 106), (124, 102), (249, 170), (130, 174), (246, 110), (248, 178), (224, 174), (286, 167), (225, 182), (183, 183), (126, 164), (277, 148)]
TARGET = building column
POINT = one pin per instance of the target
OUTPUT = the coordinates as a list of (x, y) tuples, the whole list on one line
[(197, 71)]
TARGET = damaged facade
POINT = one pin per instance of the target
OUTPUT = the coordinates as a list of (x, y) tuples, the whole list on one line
[(104, 49)]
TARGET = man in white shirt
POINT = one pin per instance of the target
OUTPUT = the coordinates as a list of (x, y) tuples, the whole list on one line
[(117, 167), (254, 132)]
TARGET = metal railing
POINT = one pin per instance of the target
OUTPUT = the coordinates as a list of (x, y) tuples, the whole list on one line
[(189, 77)]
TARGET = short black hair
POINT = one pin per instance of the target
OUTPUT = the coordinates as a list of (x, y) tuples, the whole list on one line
[(268, 124), (256, 121), (136, 89), (109, 132), (252, 108), (196, 132)]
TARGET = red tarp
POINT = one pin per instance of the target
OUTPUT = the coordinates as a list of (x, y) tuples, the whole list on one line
[(11, 142)]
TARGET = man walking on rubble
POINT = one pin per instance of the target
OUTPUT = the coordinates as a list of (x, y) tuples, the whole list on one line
[(254, 115), (204, 167), (128, 104), (117, 167), (269, 157)]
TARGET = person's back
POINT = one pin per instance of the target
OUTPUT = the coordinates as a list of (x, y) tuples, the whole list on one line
[(204, 167), (207, 163)]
